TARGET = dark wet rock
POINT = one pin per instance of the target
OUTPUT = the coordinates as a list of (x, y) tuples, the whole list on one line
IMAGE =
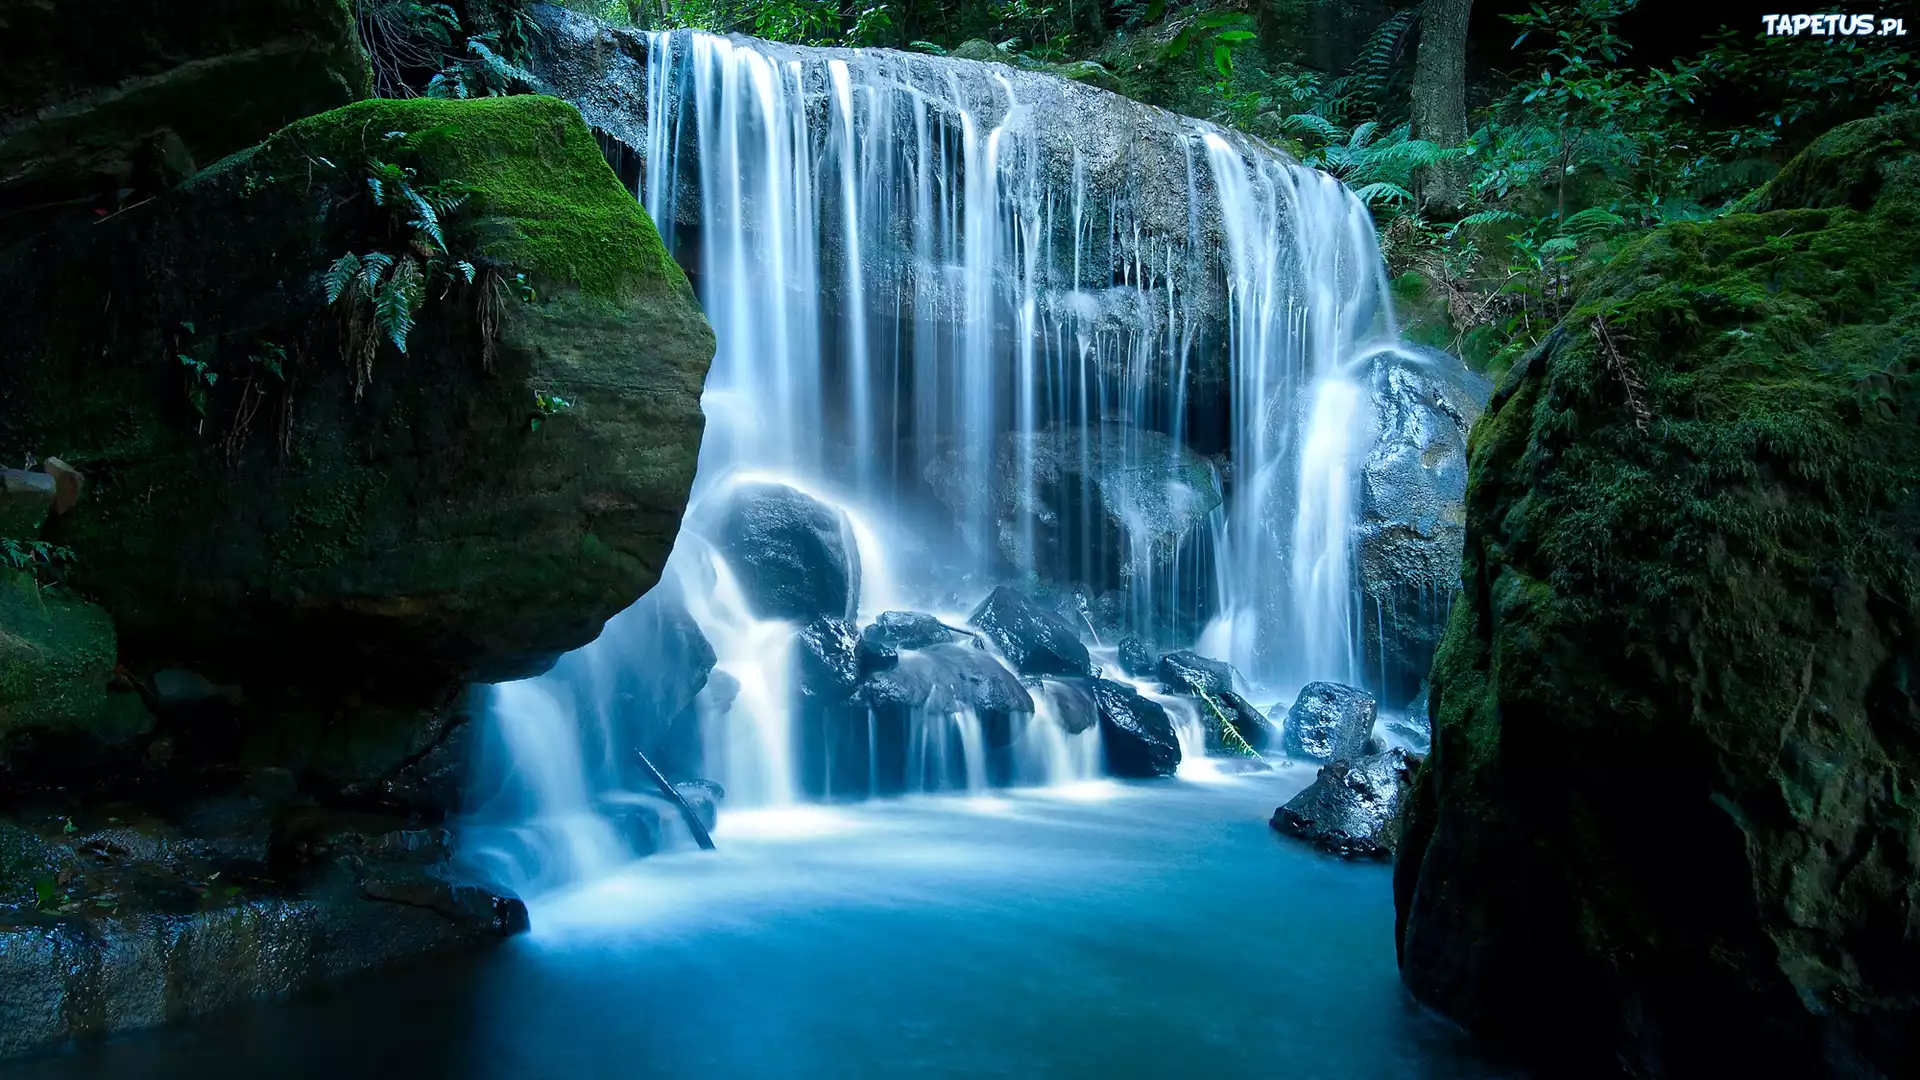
[(125, 923), (1138, 658), (1229, 711), (1669, 826), (1135, 734), (1190, 673), (1412, 520), (876, 655), (705, 797), (1328, 721), (414, 535), (909, 630), (944, 678), (26, 501), (827, 654), (1033, 639), (1352, 807), (1072, 702), (792, 553), (106, 106)]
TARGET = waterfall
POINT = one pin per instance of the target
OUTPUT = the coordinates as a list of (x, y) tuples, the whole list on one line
[(1011, 329)]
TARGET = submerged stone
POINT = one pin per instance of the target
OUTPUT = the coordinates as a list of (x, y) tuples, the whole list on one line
[(827, 654)]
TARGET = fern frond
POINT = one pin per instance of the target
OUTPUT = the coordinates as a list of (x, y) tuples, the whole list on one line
[(397, 299), (373, 269), (1380, 191), (1489, 217), (1315, 125), (1592, 224), (1362, 135), (425, 219), (466, 270), (339, 279)]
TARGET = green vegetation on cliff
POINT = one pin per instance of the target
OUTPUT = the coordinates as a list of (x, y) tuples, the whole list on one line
[(412, 531), (1671, 824)]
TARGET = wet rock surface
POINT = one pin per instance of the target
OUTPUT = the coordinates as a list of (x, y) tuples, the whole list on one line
[(1138, 658), (1034, 640), (1351, 808), (827, 655), (111, 922), (1412, 521), (1328, 721), (1136, 735), (792, 553)]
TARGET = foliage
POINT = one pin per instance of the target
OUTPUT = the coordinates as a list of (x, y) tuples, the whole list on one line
[(381, 291), (547, 404), (420, 48), (33, 556)]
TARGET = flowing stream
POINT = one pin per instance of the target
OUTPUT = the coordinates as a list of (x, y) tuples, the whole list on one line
[(1089, 932)]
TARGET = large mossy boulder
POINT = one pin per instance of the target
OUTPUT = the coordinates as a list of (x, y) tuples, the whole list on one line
[(104, 104), (1671, 821), (466, 510)]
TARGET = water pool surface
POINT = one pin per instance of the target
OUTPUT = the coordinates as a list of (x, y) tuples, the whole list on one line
[(1104, 930)]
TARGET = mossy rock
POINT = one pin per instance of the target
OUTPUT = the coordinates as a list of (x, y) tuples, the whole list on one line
[(1671, 822), (105, 103), (56, 661), (435, 528)]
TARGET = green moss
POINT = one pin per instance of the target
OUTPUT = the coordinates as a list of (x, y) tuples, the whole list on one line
[(548, 202), (1675, 709), (56, 654)]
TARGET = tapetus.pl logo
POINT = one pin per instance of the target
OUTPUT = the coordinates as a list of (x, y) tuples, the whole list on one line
[(1833, 25)]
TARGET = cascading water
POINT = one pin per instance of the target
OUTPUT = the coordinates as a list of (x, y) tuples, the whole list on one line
[(1109, 362)]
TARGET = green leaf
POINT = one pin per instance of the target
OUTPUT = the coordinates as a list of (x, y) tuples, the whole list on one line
[(340, 276), (1223, 59), (1234, 37)]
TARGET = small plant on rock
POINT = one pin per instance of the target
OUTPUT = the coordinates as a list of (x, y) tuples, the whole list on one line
[(381, 291)]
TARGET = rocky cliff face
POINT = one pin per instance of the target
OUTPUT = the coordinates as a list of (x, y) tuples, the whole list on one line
[(230, 723), (104, 105), (414, 525), (1670, 825)]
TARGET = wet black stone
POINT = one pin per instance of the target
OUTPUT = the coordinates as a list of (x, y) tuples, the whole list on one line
[(1351, 809), (1033, 639), (1136, 736)]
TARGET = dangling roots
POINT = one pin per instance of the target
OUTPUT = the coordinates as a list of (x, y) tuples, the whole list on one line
[(1623, 369), (487, 305)]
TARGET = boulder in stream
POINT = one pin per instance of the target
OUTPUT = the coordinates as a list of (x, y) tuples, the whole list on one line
[(1352, 807), (1138, 658), (1135, 733), (827, 656), (794, 555), (1328, 721), (1033, 639)]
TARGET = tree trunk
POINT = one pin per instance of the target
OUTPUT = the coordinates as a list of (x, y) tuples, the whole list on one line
[(1440, 100)]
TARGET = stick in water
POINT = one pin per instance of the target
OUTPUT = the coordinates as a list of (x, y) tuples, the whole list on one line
[(687, 814)]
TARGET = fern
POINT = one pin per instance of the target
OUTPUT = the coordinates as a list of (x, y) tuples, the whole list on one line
[(1380, 191), (373, 268), (340, 276), (393, 307), (1315, 125), (1592, 224), (426, 219)]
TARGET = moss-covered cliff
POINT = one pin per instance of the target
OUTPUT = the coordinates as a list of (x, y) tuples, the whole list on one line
[(1671, 823), (272, 524)]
